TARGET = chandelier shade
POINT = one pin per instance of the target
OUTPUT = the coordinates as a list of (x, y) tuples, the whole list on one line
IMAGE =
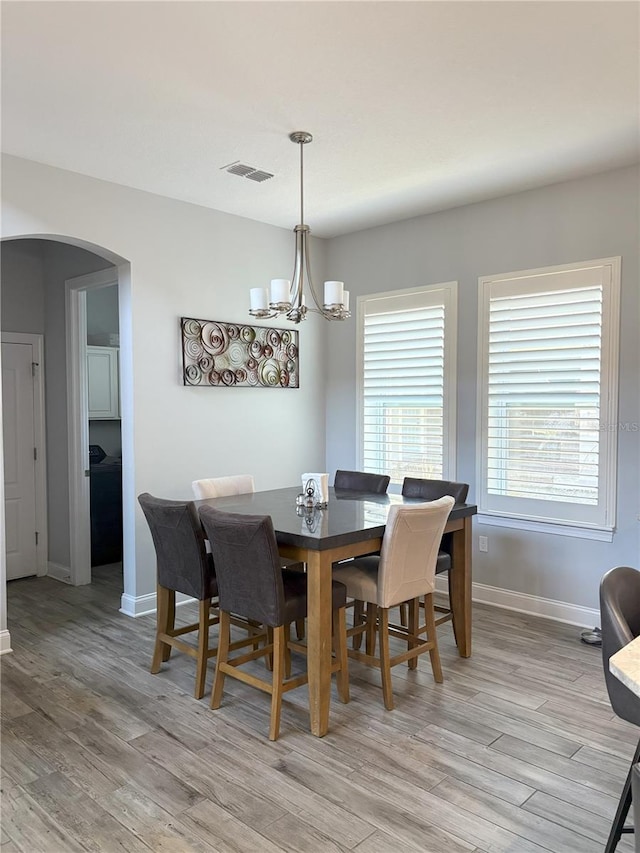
[(286, 297)]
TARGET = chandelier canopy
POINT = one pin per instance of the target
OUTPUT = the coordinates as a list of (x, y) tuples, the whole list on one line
[(286, 297)]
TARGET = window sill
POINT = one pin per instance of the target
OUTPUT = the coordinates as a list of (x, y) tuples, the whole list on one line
[(600, 534)]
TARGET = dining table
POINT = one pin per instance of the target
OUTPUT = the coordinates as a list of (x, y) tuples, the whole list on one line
[(351, 524)]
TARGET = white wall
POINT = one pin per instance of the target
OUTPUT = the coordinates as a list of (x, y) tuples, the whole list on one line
[(22, 286), (579, 220), (188, 261), (102, 314)]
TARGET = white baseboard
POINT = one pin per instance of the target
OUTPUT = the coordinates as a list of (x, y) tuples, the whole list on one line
[(5, 642), (522, 602), (145, 605), (532, 605), (58, 572)]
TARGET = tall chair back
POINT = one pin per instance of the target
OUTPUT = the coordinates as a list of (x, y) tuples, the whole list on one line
[(431, 490), (359, 481), (620, 623), (410, 550), (182, 561), (245, 554), (222, 487)]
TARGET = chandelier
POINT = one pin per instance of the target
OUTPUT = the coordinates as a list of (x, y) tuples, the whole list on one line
[(286, 297)]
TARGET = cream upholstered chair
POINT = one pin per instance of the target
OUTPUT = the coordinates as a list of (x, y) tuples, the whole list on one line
[(222, 487), (404, 572)]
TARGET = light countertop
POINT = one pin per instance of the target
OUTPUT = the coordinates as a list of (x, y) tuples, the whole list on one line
[(625, 665)]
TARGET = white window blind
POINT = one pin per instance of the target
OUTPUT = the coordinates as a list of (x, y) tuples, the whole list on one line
[(547, 390), (406, 384)]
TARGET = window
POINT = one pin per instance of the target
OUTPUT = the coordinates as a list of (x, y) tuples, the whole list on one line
[(407, 395), (548, 378)]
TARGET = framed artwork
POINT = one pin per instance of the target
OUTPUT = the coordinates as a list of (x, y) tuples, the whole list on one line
[(236, 355)]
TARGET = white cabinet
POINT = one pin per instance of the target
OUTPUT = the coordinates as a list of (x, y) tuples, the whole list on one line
[(102, 373)]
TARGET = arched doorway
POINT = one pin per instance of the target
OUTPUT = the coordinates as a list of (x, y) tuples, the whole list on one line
[(61, 258)]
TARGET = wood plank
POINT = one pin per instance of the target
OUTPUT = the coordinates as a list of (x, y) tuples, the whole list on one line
[(129, 767), (160, 831), (538, 830), (80, 817), (208, 820), (31, 827), (206, 776), (503, 757)]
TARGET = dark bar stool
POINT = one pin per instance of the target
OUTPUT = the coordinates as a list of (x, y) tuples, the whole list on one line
[(620, 622), (433, 490)]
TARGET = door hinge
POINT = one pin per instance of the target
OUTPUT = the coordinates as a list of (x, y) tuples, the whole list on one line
[(34, 365), (35, 453), (37, 534)]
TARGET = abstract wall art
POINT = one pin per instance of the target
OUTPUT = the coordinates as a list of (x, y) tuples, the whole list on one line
[(235, 355)]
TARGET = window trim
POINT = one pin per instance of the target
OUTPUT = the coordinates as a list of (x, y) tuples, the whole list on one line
[(610, 340), (449, 290)]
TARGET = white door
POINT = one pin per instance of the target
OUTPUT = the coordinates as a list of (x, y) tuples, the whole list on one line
[(18, 417)]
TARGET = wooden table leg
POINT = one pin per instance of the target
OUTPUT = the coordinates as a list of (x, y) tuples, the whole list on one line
[(460, 586), (319, 639)]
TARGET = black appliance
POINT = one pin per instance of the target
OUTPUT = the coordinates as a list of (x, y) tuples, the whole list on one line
[(105, 476)]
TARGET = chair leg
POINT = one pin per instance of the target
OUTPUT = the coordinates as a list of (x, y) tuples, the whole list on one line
[(268, 659), (287, 650), (203, 647), (221, 657), (277, 680), (162, 624), (254, 628), (404, 620), (623, 808), (340, 648), (300, 629), (453, 613), (372, 612), (412, 624), (171, 623), (385, 665), (434, 653), (358, 619)]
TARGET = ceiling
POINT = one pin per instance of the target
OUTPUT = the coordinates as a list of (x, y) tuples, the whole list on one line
[(414, 106)]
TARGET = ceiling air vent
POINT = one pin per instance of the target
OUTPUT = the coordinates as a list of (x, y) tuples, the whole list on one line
[(245, 171), (259, 176)]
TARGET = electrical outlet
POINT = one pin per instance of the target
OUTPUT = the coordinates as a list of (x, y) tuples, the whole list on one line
[(483, 544)]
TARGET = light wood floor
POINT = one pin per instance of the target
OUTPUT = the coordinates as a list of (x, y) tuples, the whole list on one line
[(517, 751)]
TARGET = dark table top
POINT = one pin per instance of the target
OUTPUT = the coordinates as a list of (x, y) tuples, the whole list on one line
[(349, 516)]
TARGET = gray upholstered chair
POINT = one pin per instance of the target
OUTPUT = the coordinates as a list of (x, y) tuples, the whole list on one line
[(620, 623), (360, 481), (184, 566), (431, 490), (252, 584), (240, 484), (404, 572)]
